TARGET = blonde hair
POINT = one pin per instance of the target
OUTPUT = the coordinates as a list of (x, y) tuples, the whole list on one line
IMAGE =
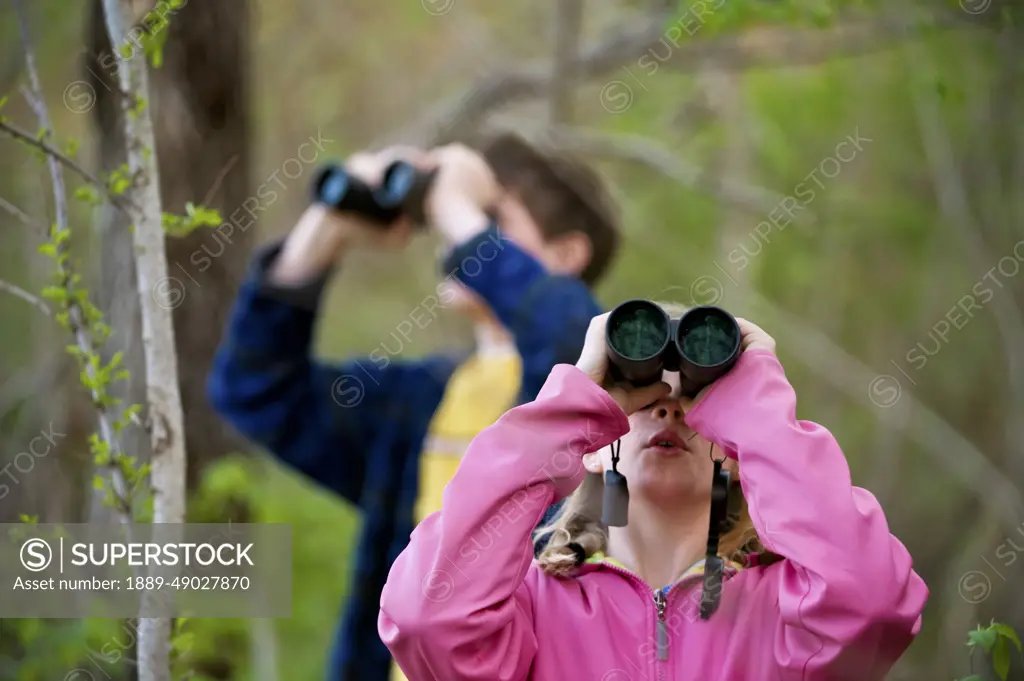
[(579, 520)]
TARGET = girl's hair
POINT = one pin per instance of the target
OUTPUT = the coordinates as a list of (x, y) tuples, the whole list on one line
[(579, 520)]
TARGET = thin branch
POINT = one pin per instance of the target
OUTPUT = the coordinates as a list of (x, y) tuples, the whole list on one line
[(954, 205), (26, 296), (771, 47), (39, 106), (215, 187), (784, 47), (30, 380), (638, 149), (76, 316), (55, 155), (16, 212), (846, 373), (567, 27), (31, 99)]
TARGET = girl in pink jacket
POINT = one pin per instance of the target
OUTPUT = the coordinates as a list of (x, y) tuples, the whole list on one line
[(838, 598)]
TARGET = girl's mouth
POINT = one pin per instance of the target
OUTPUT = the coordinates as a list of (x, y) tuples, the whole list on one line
[(668, 442)]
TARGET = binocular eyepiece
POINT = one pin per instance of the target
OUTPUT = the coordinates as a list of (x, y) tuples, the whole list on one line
[(402, 191), (642, 340)]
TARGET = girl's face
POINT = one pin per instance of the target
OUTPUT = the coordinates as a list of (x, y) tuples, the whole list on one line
[(662, 459)]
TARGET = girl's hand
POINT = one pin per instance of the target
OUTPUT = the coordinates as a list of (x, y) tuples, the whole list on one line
[(753, 337), (594, 363)]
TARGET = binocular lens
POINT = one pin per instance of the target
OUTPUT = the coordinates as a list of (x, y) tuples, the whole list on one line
[(707, 337), (638, 331), (397, 184), (333, 188), (643, 342)]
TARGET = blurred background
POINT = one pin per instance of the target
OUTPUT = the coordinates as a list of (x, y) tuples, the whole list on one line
[(848, 174)]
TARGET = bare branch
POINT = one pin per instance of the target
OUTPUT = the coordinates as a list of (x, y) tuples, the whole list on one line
[(26, 296), (568, 25), (215, 187), (76, 316), (849, 375), (782, 46), (456, 117), (768, 47), (638, 149), (16, 212), (55, 156), (954, 204)]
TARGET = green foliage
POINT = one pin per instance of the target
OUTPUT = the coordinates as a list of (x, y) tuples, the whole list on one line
[(156, 24), (244, 489), (194, 218), (84, 321), (728, 16), (994, 641)]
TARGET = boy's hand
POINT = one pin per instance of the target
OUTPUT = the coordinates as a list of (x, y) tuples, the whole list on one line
[(322, 235), (464, 191), (369, 167)]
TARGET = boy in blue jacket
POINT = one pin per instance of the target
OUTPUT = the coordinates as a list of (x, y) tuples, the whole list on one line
[(526, 234)]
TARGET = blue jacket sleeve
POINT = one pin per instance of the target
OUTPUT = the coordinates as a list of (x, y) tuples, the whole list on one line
[(323, 420), (547, 314)]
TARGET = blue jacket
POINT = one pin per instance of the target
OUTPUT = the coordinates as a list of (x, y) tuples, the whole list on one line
[(357, 428)]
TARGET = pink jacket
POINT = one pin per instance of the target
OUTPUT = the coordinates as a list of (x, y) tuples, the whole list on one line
[(465, 602)]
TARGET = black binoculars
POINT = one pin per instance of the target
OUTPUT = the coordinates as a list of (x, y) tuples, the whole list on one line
[(402, 191), (643, 341)]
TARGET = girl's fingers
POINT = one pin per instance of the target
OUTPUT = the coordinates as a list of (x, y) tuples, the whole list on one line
[(594, 358), (749, 331)]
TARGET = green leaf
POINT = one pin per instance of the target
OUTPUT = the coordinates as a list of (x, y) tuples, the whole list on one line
[(119, 184), (48, 249), (986, 638), (55, 293), (1001, 658), (1007, 632), (3, 100), (183, 641), (87, 193)]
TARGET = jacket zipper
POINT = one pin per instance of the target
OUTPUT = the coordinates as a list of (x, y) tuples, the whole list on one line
[(660, 598), (660, 602)]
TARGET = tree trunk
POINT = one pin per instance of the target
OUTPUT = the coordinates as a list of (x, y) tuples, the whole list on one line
[(163, 400), (200, 116)]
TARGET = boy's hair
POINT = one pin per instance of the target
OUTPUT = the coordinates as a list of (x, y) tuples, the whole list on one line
[(561, 193)]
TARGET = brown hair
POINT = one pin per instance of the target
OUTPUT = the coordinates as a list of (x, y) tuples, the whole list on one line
[(579, 520), (562, 194)]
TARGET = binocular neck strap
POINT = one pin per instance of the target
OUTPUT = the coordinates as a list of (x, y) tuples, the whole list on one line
[(615, 504), (714, 566)]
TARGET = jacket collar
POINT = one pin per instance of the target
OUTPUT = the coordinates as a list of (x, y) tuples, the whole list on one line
[(697, 569)]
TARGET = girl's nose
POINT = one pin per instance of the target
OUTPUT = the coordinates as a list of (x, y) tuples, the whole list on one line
[(669, 410)]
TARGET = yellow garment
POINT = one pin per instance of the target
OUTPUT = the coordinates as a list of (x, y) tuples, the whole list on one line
[(478, 393)]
